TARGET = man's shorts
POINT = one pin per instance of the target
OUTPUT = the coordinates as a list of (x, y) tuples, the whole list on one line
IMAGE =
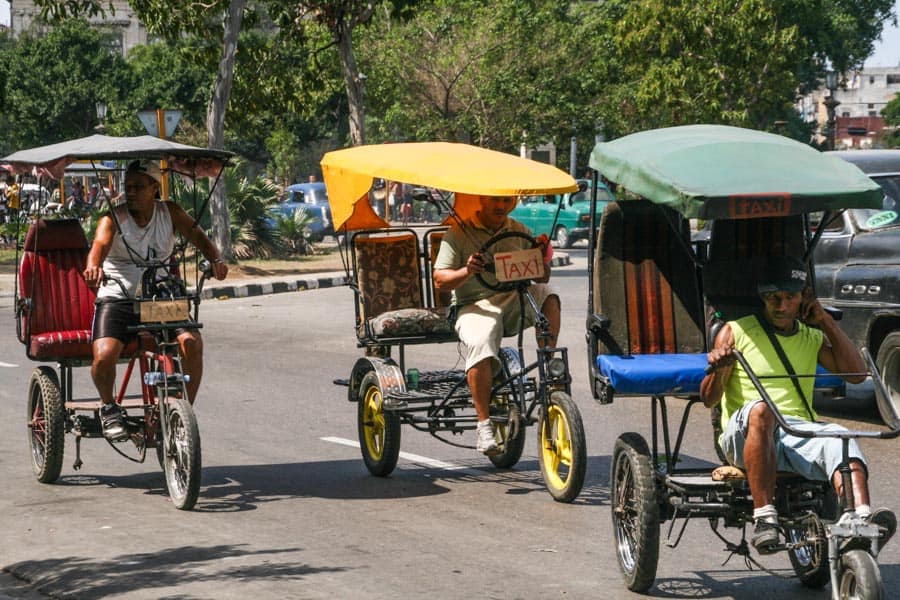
[(813, 458), (112, 317), (482, 325)]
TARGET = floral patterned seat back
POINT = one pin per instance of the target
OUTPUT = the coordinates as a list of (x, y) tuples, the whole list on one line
[(388, 274)]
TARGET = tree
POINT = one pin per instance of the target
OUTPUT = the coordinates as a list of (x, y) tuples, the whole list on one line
[(742, 62), (891, 113), (485, 73), (50, 84)]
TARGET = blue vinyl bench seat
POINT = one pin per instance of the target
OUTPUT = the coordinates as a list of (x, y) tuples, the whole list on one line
[(660, 374)]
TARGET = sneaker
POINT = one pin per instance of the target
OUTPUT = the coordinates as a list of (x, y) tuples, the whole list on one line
[(886, 522), (487, 443), (765, 537), (113, 422)]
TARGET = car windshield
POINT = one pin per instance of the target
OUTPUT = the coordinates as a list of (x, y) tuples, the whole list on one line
[(316, 196), (889, 215)]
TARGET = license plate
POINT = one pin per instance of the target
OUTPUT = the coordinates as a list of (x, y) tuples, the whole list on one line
[(164, 311)]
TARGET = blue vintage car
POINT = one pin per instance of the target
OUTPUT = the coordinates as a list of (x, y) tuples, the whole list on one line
[(311, 198), (573, 223)]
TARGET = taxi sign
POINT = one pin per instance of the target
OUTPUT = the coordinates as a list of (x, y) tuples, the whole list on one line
[(519, 265)]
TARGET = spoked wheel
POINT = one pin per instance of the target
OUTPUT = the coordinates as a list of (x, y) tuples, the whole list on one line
[(810, 561), (181, 455), (860, 578), (635, 511), (46, 424), (561, 448), (510, 435), (888, 363), (379, 431)]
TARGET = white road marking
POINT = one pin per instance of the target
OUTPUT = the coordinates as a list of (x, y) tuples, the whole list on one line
[(8, 365), (413, 458)]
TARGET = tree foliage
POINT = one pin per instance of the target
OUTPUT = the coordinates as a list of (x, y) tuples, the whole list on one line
[(891, 114), (51, 84)]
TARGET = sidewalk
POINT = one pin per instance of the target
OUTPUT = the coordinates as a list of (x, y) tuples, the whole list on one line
[(257, 286)]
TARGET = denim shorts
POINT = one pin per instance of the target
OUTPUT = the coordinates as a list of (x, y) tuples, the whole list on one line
[(813, 458)]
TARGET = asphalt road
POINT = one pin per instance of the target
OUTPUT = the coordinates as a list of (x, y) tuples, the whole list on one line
[(288, 510)]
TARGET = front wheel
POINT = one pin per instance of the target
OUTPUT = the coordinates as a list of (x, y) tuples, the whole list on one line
[(561, 448), (810, 558), (860, 578), (181, 455), (635, 511), (46, 424), (888, 363), (379, 431)]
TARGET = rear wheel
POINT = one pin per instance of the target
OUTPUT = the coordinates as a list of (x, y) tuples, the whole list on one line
[(181, 455), (810, 561), (561, 448), (379, 431), (46, 424), (888, 363), (860, 578), (635, 511)]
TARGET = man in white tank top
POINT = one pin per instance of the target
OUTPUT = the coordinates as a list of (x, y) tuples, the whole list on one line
[(143, 228)]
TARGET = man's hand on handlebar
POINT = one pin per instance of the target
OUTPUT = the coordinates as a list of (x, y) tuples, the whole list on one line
[(219, 269), (720, 357), (475, 264)]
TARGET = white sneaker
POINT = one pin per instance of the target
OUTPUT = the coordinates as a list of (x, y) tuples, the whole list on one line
[(487, 443)]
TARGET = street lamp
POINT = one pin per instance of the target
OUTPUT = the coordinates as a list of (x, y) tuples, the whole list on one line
[(101, 116), (831, 83)]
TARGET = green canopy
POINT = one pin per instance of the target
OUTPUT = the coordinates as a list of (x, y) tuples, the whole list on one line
[(720, 172)]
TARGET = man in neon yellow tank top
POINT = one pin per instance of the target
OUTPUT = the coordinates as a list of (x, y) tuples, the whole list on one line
[(751, 438)]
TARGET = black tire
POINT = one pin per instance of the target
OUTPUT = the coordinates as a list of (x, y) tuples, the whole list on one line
[(860, 578), (810, 563), (46, 424), (635, 511), (181, 455), (888, 363), (562, 237), (379, 431), (515, 444), (561, 448)]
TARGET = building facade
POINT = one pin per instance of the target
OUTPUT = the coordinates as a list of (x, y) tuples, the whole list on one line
[(129, 31)]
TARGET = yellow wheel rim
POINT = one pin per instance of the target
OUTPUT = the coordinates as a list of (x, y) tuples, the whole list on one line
[(373, 422), (556, 447)]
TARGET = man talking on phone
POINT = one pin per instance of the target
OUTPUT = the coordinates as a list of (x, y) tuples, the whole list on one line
[(751, 439)]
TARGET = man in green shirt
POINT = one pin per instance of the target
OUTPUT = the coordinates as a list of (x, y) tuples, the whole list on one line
[(751, 438), (485, 316)]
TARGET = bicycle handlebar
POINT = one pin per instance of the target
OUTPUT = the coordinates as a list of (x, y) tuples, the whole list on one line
[(782, 422)]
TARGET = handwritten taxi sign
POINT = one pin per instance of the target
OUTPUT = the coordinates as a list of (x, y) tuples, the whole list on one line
[(518, 265), (164, 311), (759, 205)]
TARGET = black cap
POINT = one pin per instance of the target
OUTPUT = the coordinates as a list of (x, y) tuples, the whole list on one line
[(786, 274)]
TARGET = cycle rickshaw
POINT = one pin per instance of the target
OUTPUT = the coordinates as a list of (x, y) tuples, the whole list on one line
[(655, 300), (390, 269), (54, 309)]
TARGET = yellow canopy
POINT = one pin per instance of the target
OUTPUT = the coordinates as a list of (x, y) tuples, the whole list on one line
[(469, 171)]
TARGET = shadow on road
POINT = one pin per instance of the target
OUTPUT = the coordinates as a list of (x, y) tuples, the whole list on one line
[(87, 577), (237, 488)]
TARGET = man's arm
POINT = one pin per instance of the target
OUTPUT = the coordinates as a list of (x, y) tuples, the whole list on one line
[(446, 280), (837, 353), (721, 358), (184, 224), (103, 239)]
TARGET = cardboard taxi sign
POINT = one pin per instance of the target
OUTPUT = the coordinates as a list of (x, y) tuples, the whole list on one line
[(518, 265), (164, 311)]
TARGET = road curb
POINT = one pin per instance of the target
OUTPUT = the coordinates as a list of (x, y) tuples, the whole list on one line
[(274, 285)]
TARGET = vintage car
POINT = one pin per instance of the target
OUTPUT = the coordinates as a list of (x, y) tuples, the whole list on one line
[(565, 224), (857, 263)]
